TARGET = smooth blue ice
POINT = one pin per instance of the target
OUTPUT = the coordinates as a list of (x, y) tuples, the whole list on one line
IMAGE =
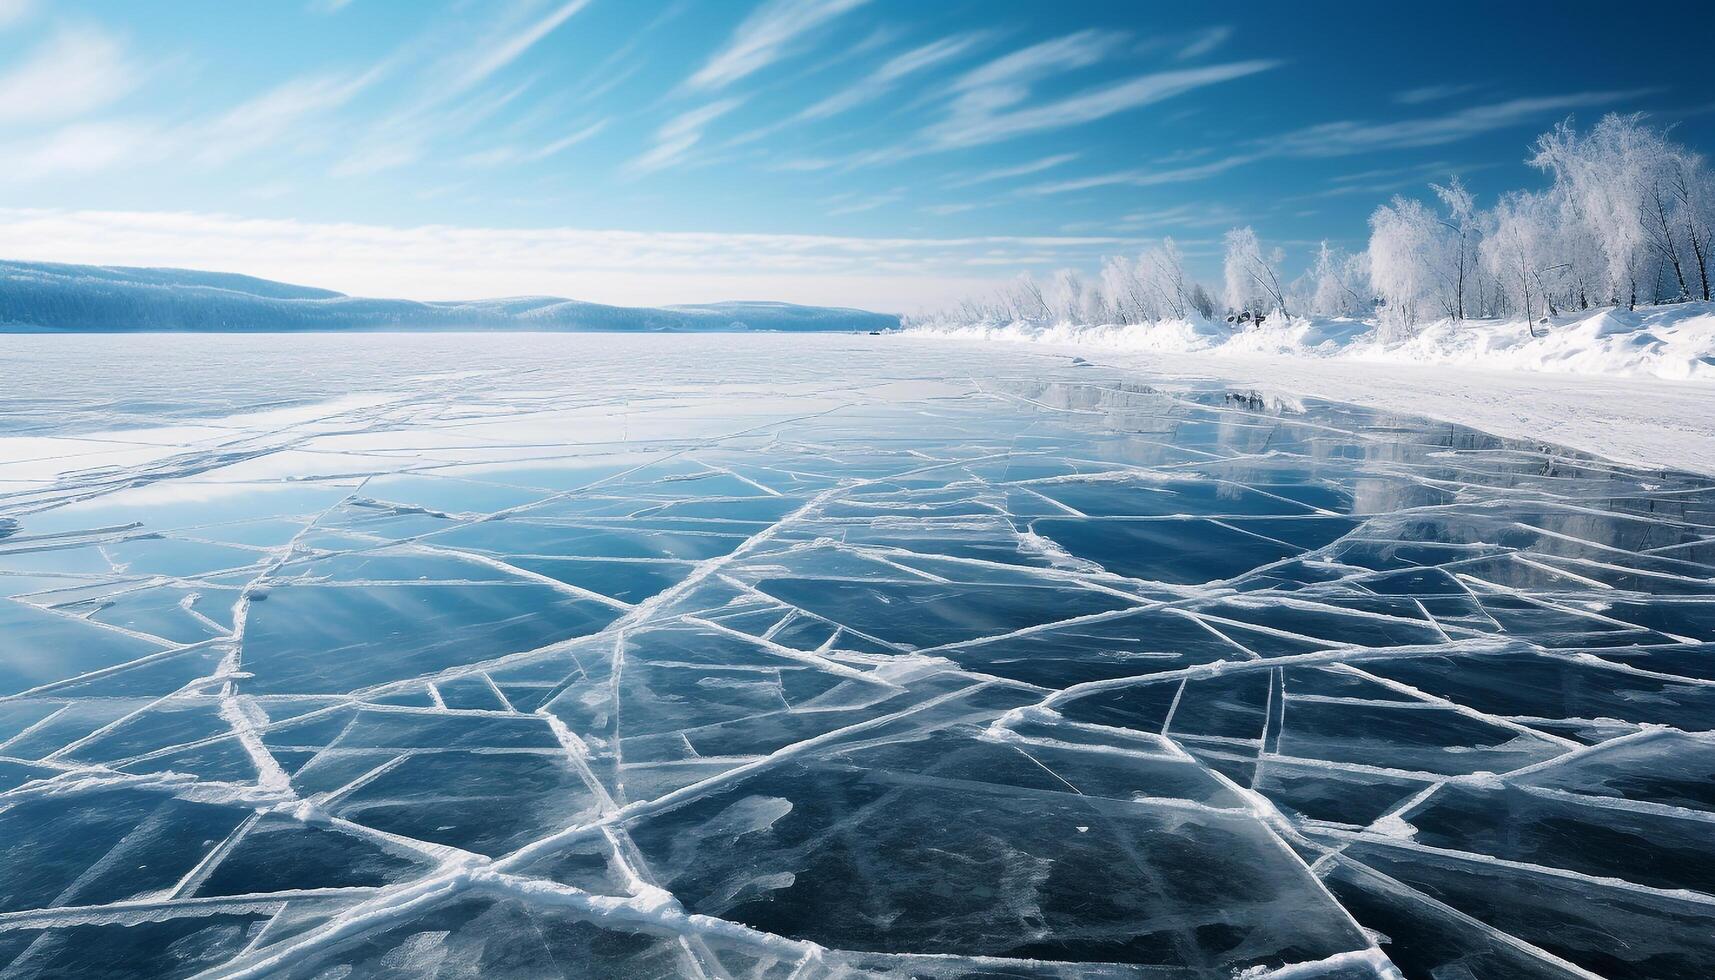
[(604, 656)]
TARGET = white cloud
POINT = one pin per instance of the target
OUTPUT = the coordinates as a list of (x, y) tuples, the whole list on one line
[(988, 104), (1003, 81), (1020, 170), (1205, 42), (1348, 136), (254, 124), (82, 148), (884, 78), (676, 137), (1146, 177), (766, 36), (375, 157), (854, 204), (1195, 214), (1430, 93), (506, 46), (975, 120), (77, 70), (405, 138), (804, 165), (13, 11), (502, 155), (644, 268)]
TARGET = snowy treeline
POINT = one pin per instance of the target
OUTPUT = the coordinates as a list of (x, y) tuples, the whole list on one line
[(1626, 219), (1147, 289)]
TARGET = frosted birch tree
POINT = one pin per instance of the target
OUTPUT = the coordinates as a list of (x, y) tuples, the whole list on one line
[(1251, 279)]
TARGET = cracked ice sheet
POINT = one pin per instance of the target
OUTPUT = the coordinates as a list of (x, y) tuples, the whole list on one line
[(824, 656)]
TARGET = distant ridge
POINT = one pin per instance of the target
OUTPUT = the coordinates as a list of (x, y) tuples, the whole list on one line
[(51, 297)]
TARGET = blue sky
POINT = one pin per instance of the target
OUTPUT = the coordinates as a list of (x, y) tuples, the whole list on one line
[(866, 152)]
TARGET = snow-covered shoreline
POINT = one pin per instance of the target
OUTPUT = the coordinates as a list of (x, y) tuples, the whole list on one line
[(1643, 421), (1670, 342)]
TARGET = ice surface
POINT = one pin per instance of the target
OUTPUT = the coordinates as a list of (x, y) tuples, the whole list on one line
[(423, 656)]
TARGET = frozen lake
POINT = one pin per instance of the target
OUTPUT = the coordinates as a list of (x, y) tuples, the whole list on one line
[(765, 656)]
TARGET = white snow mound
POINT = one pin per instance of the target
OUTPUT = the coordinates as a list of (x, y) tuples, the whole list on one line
[(1673, 342)]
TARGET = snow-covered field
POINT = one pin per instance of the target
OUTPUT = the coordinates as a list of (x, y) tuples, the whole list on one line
[(1674, 342)]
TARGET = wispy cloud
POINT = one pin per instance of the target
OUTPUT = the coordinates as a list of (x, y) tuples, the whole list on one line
[(869, 88), (1197, 214), (81, 148), (1431, 93), (508, 43), (804, 165), (1381, 181), (13, 11), (1348, 136), (1205, 42), (676, 137), (1005, 81), (856, 203), (274, 114), (991, 103), (1146, 177), (454, 92), (78, 70), (890, 73), (1019, 170), (769, 34), (407, 137), (974, 122), (502, 155)]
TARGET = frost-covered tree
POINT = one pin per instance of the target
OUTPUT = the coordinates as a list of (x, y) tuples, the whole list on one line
[(1202, 301), (1065, 297), (1147, 289), (1408, 260), (1024, 301), (1095, 308), (1462, 242), (1628, 215), (1692, 190), (1424, 263), (1517, 252), (1334, 285), (1161, 271), (1123, 289), (1614, 181), (1251, 278)]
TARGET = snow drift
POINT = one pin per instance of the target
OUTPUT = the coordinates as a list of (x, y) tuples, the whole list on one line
[(1673, 342)]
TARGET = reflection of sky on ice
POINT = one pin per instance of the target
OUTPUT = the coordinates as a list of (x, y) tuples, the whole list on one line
[(828, 656)]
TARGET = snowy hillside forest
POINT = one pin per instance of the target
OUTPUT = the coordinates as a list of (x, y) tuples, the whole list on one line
[(48, 296), (1625, 220)]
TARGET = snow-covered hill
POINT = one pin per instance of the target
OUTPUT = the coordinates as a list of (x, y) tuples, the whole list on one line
[(1675, 342), (49, 296)]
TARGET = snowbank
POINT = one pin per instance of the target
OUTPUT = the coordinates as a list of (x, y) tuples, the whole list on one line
[(1672, 342)]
